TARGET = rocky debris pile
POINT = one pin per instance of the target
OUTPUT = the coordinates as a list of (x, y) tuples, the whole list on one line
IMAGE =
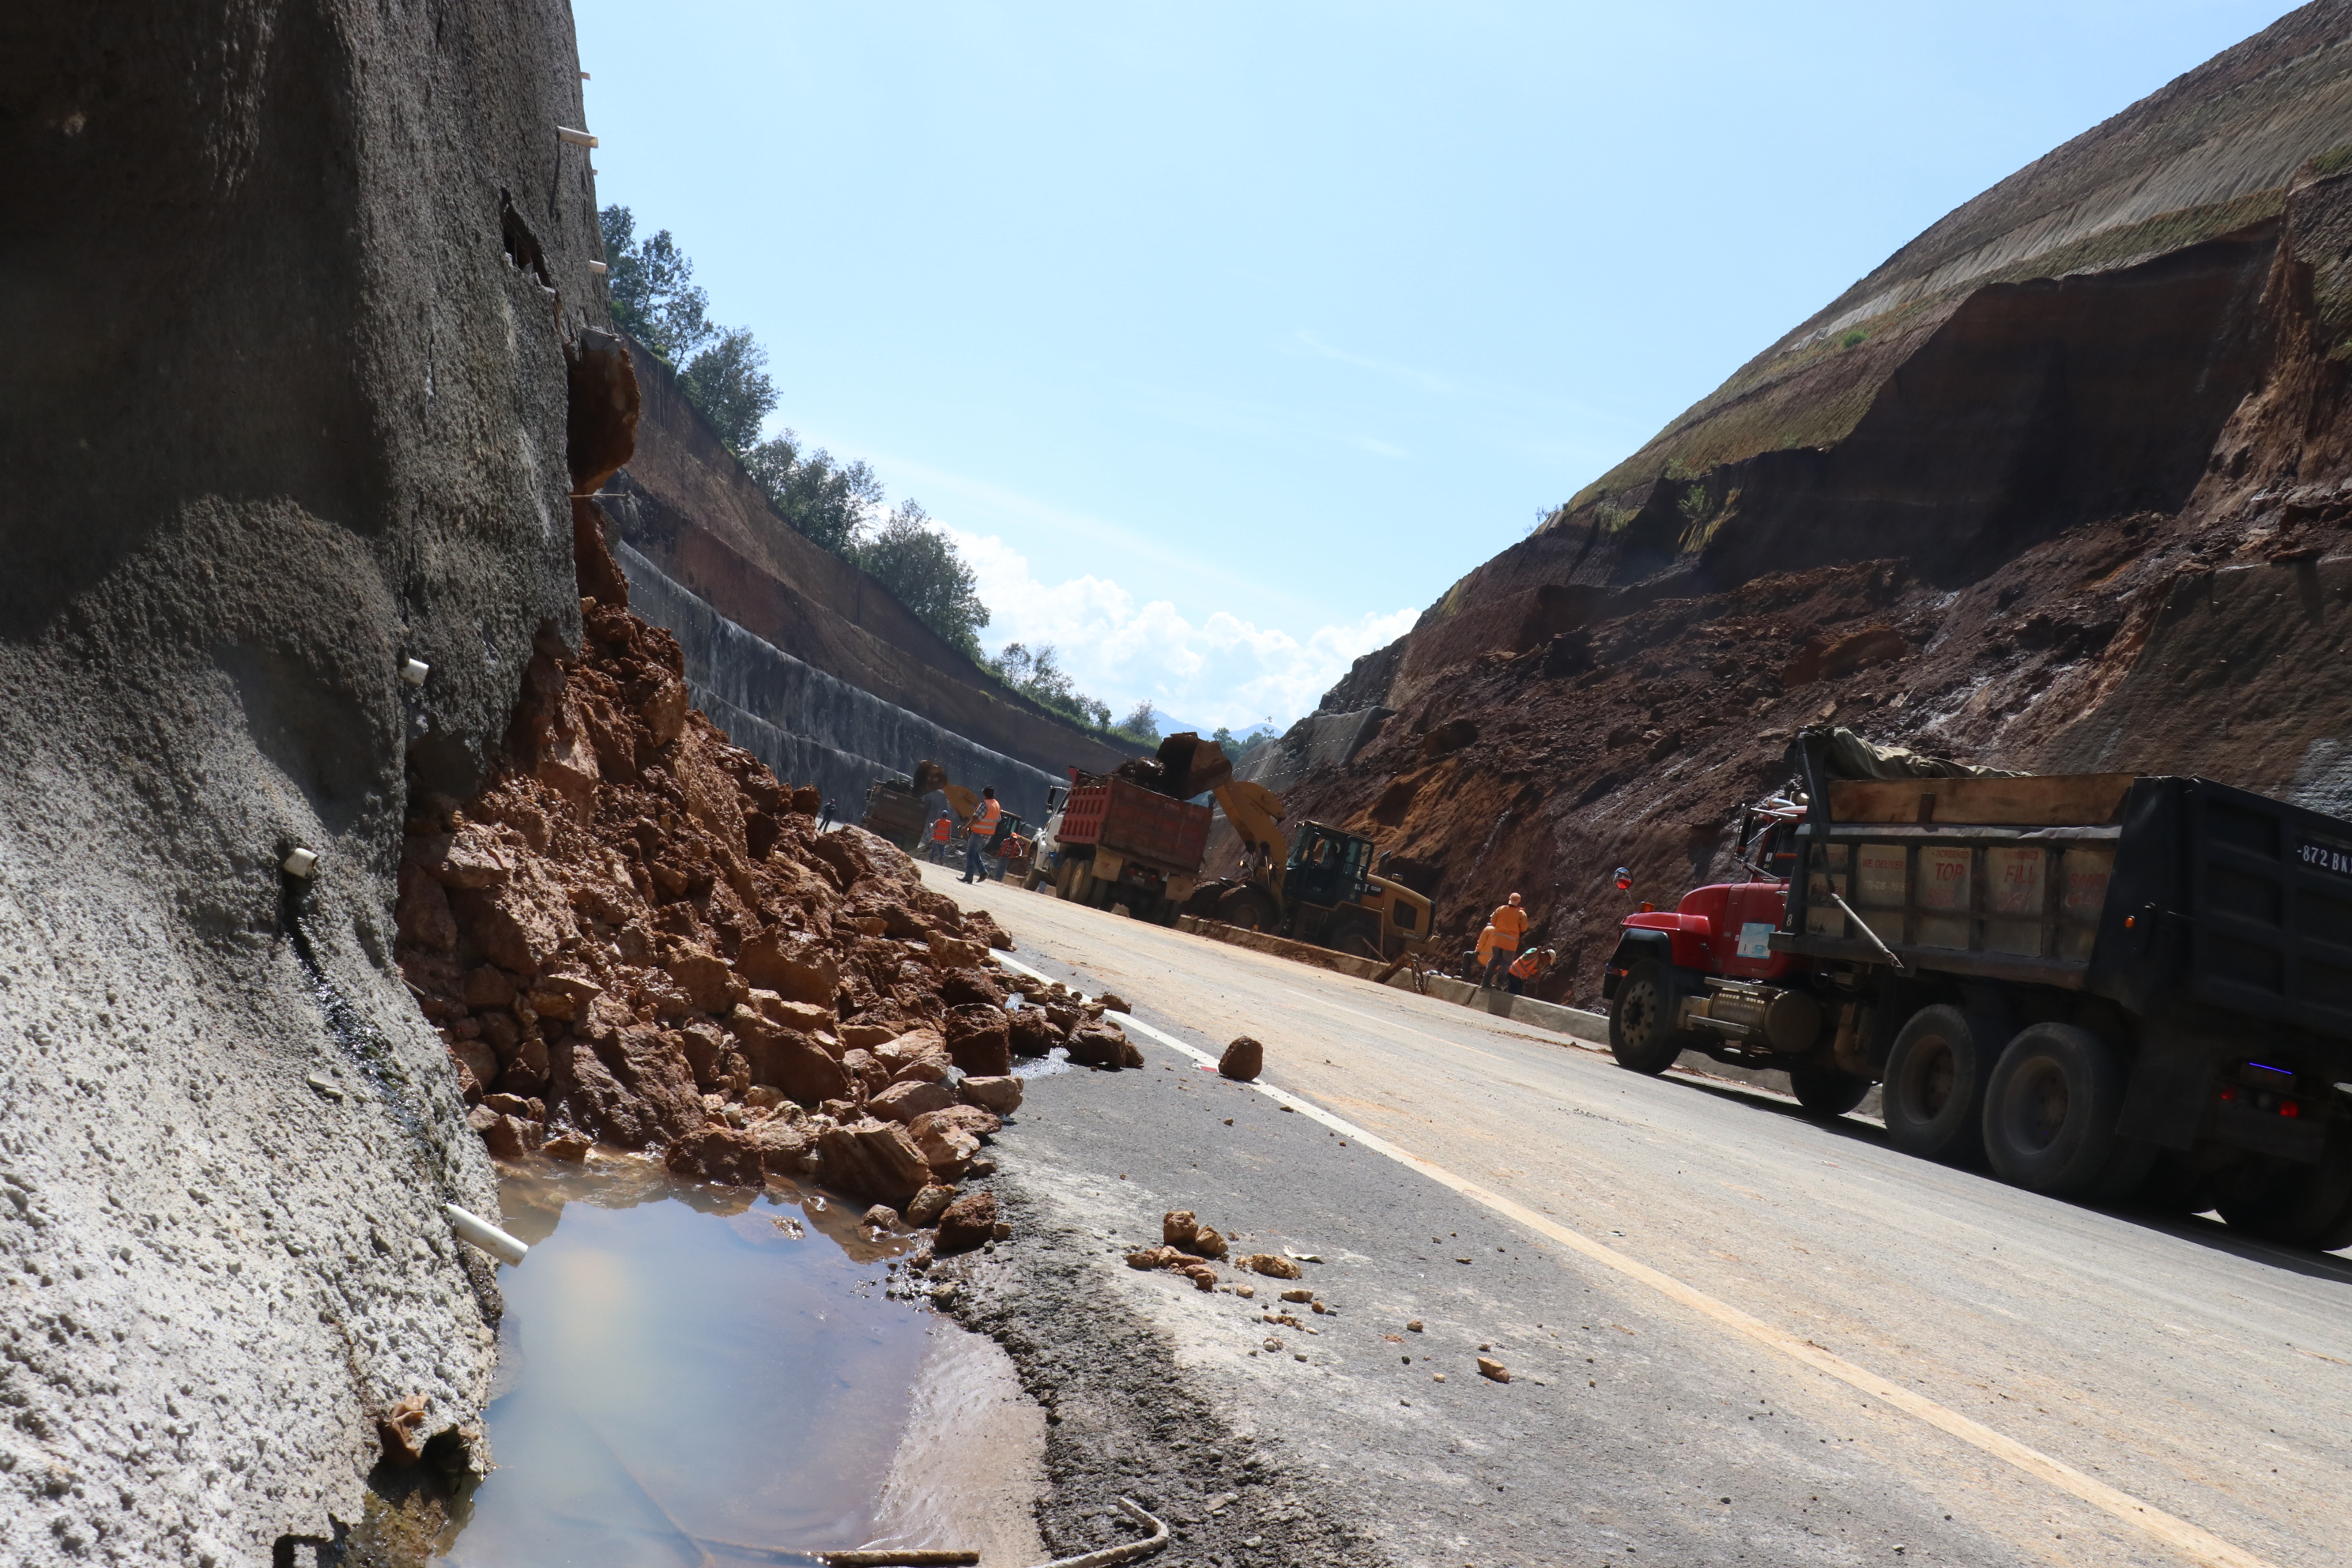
[(1185, 1246), (635, 936)]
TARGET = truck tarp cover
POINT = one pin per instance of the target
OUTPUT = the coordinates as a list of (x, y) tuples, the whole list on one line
[(1843, 755)]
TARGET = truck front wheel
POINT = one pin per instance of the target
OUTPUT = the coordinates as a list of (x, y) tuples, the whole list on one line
[(1936, 1081), (2051, 1108), (1827, 1092), (1642, 1035)]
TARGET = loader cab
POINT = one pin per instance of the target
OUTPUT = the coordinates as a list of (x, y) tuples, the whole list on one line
[(1328, 865)]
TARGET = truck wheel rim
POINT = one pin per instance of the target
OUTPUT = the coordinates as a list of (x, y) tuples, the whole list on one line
[(1640, 1009), (2039, 1102), (1927, 1079)]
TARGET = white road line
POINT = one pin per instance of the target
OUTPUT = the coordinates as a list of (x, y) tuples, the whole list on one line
[(2197, 1545)]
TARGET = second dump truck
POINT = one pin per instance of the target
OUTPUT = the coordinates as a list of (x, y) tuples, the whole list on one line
[(2104, 987)]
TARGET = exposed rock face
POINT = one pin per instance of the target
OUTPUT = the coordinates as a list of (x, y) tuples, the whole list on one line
[(2062, 486), (289, 406)]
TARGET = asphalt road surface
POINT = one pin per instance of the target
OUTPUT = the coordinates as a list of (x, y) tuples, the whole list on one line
[(1736, 1334)]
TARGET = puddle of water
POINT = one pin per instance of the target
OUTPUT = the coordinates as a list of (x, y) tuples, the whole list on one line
[(688, 1375)]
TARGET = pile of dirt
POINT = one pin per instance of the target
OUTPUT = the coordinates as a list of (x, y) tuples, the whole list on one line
[(635, 936)]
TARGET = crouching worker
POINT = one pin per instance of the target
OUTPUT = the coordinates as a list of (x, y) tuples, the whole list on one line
[(1529, 967)]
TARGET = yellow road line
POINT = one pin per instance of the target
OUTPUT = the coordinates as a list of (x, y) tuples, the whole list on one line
[(2198, 1545)]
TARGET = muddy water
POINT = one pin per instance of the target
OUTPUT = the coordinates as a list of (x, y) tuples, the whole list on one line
[(688, 1375)]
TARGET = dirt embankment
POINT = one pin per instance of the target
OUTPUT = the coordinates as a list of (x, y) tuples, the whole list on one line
[(2097, 523)]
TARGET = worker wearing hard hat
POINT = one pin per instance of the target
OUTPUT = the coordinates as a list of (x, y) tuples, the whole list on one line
[(1529, 967), (1509, 922), (941, 831), (978, 832), (1482, 966)]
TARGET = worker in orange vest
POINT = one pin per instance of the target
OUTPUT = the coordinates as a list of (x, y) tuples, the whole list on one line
[(941, 831), (1483, 959), (1527, 966), (1510, 923), (978, 832)]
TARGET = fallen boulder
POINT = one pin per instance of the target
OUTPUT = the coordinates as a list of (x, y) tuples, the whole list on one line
[(965, 1224), (999, 1095), (1271, 1266), (875, 1160), (1242, 1061)]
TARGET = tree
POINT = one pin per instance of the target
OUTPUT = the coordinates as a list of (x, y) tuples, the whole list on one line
[(651, 284), (1224, 740), (827, 502), (729, 381), (921, 566), (1037, 673), (1141, 725)]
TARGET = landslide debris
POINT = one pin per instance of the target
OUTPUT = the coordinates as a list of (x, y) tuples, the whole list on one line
[(635, 936)]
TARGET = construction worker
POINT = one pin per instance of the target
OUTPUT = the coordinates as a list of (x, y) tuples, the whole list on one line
[(1483, 963), (1510, 923), (1528, 967), (825, 823), (978, 832), (941, 831)]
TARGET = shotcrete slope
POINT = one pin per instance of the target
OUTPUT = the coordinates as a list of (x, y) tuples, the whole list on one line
[(2090, 520), (295, 288)]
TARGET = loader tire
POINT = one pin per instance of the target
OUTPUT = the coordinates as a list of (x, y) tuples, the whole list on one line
[(1641, 1032), (1936, 1078), (2050, 1109)]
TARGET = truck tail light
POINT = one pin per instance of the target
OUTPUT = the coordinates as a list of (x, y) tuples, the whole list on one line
[(2289, 1108)]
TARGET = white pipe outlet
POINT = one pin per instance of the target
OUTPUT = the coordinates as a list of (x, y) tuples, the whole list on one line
[(597, 267), (300, 862), (478, 1232), (414, 670), (577, 138)]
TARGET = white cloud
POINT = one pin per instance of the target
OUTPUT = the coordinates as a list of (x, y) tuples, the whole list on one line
[(1218, 670)]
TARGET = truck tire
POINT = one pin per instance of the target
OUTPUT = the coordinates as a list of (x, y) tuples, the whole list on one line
[(1641, 1032), (2050, 1110), (2298, 1205), (1935, 1079), (1827, 1092)]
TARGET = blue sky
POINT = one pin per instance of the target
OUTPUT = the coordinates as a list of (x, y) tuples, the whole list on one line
[(1226, 337)]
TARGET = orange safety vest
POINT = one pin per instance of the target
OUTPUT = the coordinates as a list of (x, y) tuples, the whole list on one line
[(939, 831), (1488, 940), (1510, 923), (983, 821), (1527, 966)]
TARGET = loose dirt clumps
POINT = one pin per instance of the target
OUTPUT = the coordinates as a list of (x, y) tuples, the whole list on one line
[(635, 936)]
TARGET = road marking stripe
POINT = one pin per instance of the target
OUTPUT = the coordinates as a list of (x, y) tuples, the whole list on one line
[(2198, 1545)]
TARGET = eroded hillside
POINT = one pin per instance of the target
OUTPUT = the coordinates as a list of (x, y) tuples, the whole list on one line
[(2077, 500)]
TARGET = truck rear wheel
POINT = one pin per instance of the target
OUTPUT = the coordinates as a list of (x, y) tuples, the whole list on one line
[(2292, 1203), (2051, 1108), (1827, 1092), (1641, 1021), (1935, 1079)]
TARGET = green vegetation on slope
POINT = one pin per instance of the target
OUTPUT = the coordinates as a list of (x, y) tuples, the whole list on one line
[(833, 504)]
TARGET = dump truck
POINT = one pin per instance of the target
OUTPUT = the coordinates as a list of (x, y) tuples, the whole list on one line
[(1121, 843), (2103, 987), (894, 810)]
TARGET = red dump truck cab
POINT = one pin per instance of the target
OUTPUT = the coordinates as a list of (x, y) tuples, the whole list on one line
[(1725, 929), (1123, 844)]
